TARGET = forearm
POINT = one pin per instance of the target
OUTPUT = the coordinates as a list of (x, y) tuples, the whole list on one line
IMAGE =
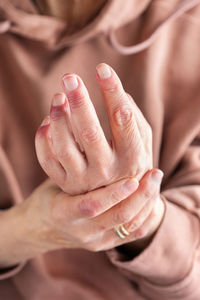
[(15, 243)]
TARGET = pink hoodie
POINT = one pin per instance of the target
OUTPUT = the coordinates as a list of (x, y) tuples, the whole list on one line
[(162, 74)]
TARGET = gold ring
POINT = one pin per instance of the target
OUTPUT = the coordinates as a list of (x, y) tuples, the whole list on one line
[(121, 231)]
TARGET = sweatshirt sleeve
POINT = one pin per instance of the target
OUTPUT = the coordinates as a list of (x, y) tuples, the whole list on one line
[(10, 194), (169, 268)]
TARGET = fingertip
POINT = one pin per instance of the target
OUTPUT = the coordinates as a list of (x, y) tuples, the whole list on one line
[(58, 99), (108, 80), (67, 74), (156, 175), (103, 71), (70, 82)]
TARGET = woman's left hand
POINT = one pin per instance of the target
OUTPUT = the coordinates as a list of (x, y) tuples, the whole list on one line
[(129, 155)]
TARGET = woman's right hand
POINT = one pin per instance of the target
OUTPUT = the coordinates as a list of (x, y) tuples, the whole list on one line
[(50, 219), (59, 220)]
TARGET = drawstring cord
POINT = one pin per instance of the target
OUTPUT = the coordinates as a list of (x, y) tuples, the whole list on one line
[(184, 7)]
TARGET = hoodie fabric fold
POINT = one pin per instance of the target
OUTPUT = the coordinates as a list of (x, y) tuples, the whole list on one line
[(154, 47), (35, 26), (53, 31)]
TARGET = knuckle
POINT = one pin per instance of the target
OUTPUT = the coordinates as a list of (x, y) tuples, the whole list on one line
[(113, 88), (134, 226), (76, 98), (140, 233), (123, 216), (57, 112), (103, 172), (123, 116), (89, 208), (90, 134), (63, 154), (148, 192), (115, 195)]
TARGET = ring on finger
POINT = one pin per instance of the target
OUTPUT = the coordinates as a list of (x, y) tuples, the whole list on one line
[(121, 231)]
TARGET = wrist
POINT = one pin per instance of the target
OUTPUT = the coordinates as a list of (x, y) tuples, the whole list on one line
[(16, 245)]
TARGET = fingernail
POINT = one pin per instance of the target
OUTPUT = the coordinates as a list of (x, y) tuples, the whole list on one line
[(59, 99), (103, 71), (70, 82), (46, 121), (130, 185), (157, 176)]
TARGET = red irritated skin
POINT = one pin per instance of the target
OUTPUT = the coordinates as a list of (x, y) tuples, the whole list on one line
[(73, 150)]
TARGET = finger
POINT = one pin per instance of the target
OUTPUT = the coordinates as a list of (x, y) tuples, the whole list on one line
[(140, 120), (140, 218), (130, 227), (151, 222), (93, 203), (144, 127), (105, 240), (121, 111), (44, 154), (64, 145), (113, 240), (85, 120), (126, 210)]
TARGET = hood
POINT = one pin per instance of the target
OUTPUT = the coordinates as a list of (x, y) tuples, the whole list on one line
[(22, 18)]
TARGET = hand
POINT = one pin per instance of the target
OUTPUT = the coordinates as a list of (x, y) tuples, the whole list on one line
[(84, 221), (74, 119), (49, 220), (87, 221)]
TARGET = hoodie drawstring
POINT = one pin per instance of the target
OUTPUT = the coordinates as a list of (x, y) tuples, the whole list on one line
[(184, 7), (179, 11)]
